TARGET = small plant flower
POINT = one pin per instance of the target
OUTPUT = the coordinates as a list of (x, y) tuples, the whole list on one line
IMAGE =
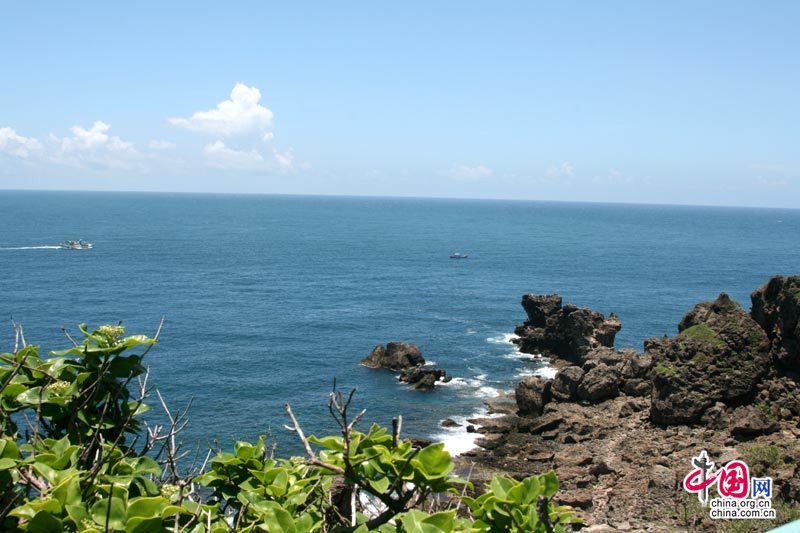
[(112, 333), (170, 491), (58, 387)]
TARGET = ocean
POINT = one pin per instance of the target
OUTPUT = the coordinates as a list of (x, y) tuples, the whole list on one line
[(267, 299)]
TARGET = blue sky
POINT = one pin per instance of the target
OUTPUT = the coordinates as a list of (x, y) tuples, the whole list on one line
[(670, 102)]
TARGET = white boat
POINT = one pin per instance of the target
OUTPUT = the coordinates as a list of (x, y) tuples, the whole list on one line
[(457, 255), (76, 245)]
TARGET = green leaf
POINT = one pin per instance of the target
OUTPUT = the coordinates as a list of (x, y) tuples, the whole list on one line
[(77, 513), (33, 396), (381, 484), (550, 483), (44, 522), (138, 524), (279, 521), (332, 443), (418, 522), (6, 463), (116, 514), (68, 491), (500, 486), (434, 461), (146, 507)]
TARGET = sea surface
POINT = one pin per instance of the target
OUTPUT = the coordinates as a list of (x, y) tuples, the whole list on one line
[(267, 299)]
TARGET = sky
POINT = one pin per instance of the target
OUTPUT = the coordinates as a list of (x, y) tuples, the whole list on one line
[(645, 102)]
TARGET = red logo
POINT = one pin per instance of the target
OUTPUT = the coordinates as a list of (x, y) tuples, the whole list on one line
[(732, 480)]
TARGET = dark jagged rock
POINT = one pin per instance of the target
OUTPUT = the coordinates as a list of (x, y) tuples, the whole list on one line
[(600, 383), (532, 394), (423, 377), (727, 383), (449, 423), (395, 356), (605, 373), (637, 387), (567, 332), (776, 308), (565, 384), (406, 358), (748, 421), (719, 355), (539, 307)]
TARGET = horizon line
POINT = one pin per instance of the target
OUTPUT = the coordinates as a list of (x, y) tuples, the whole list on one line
[(402, 197)]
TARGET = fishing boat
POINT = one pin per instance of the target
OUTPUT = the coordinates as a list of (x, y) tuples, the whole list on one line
[(457, 255), (76, 245)]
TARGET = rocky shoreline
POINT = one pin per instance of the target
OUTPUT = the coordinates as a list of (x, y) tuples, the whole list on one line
[(620, 428)]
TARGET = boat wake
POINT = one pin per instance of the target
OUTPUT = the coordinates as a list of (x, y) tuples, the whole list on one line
[(31, 248)]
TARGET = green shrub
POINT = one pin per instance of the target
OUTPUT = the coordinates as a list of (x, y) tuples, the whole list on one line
[(88, 461)]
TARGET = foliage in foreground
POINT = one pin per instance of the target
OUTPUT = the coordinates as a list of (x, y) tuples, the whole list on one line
[(77, 455)]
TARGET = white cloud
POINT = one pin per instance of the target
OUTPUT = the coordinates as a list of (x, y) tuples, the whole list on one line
[(617, 177), (17, 145), (156, 144), (241, 114), (218, 155), (771, 183), (564, 170), (91, 147), (283, 160), (221, 156), (470, 172), (86, 147)]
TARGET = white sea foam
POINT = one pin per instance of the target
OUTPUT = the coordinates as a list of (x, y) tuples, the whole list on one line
[(487, 392), (503, 338), (462, 383), (544, 371), (524, 356), (456, 439)]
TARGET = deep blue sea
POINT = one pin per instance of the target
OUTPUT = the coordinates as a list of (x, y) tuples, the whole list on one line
[(268, 298)]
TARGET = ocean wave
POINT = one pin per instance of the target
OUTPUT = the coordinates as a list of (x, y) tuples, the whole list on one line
[(487, 392), (525, 356), (503, 338), (546, 371), (456, 439), (461, 383)]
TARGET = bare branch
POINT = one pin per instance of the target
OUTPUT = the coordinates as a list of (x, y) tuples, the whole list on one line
[(312, 458)]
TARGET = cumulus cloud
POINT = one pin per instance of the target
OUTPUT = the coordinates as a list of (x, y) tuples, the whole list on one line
[(92, 147), (470, 172), (241, 114), (86, 147), (17, 145), (218, 155), (564, 170), (283, 160), (221, 156), (156, 144)]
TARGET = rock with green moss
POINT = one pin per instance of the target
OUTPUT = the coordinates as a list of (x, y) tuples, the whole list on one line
[(719, 355)]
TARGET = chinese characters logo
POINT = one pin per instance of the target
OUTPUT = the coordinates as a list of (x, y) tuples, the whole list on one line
[(740, 495)]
